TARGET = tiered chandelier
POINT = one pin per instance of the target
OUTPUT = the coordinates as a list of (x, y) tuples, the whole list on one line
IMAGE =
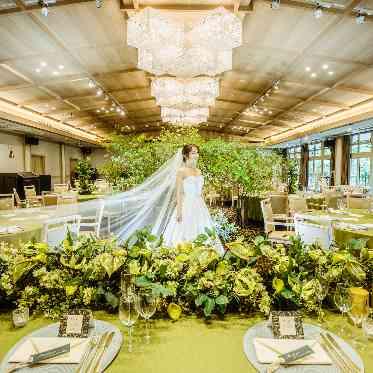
[(167, 45)]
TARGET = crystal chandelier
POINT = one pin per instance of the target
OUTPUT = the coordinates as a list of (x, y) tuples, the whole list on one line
[(176, 116), (185, 93), (168, 47)]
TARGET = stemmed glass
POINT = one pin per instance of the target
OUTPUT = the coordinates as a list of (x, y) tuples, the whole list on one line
[(147, 305), (127, 286), (322, 292), (343, 302), (128, 315), (341, 204), (367, 325)]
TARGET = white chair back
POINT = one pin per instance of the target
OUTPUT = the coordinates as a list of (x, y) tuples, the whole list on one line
[(267, 215), (55, 230), (297, 204), (6, 201), (60, 188), (311, 233), (358, 203)]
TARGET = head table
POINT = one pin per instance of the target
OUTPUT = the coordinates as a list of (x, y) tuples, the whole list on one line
[(188, 345)]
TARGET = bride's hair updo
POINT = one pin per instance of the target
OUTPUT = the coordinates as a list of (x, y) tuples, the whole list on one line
[(187, 149)]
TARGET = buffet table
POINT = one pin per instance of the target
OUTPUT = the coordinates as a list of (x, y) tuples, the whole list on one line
[(188, 345)]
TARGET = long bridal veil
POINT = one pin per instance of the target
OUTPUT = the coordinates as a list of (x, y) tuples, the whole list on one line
[(149, 204)]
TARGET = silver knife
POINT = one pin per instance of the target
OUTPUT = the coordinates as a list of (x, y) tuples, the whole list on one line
[(108, 341), (94, 353)]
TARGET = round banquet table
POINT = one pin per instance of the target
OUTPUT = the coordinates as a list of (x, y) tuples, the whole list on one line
[(350, 216)]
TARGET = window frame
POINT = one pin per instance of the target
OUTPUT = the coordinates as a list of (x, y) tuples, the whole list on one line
[(359, 155)]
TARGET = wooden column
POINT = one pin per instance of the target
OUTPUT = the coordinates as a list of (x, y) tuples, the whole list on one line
[(62, 163)]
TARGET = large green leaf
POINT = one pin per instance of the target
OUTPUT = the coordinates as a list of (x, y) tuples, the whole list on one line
[(22, 268), (209, 306)]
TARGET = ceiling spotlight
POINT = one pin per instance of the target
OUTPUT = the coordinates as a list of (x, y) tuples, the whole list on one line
[(313, 75), (270, 112), (44, 7), (111, 109), (61, 67), (318, 12), (106, 97), (118, 110), (38, 70), (91, 84), (98, 111), (276, 87), (56, 73), (99, 92), (98, 4), (325, 67), (360, 19), (330, 72), (43, 64), (122, 113), (262, 98), (308, 68), (275, 4)]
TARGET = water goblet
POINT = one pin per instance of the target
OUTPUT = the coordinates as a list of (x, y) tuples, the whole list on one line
[(128, 315), (367, 325), (343, 302), (147, 305), (358, 314), (322, 292), (127, 286)]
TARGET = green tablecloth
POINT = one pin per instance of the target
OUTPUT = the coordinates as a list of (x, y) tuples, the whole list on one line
[(343, 235), (32, 229), (187, 346), (88, 197)]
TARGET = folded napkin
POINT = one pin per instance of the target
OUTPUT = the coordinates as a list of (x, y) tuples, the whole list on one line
[(355, 215), (7, 215), (352, 227), (265, 350), (19, 219), (40, 344)]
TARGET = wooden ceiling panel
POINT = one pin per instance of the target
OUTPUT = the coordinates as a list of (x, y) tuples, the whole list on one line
[(48, 106), (83, 25), (363, 80), (124, 80), (78, 87), (7, 78), (140, 105), (21, 37), (349, 41), (349, 98), (107, 58), (22, 95), (276, 29), (133, 94)]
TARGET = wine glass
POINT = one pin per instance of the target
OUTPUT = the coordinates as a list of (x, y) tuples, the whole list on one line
[(147, 305), (343, 301), (321, 293), (128, 315), (127, 286), (367, 325)]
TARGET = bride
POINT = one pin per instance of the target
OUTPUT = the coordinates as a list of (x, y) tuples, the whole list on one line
[(190, 216), (169, 203)]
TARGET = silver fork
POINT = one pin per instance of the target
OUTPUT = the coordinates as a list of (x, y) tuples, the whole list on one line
[(92, 344)]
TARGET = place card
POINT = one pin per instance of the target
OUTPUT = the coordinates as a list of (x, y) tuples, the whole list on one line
[(50, 353), (74, 324), (287, 324)]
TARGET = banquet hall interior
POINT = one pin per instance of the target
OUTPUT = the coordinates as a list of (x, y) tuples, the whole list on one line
[(276, 96)]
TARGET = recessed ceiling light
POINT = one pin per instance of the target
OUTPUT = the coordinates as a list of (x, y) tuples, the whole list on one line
[(325, 67), (56, 73), (318, 12), (330, 72), (43, 64), (37, 70), (308, 68), (313, 75), (112, 109), (99, 92), (270, 112), (61, 67), (98, 110)]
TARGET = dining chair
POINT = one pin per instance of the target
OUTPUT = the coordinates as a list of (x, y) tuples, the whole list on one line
[(270, 226), (55, 230), (50, 199), (358, 203), (60, 188), (279, 205), (311, 233), (19, 202), (92, 223), (297, 204), (332, 198), (7, 201)]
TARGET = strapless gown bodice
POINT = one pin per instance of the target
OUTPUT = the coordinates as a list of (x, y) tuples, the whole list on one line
[(195, 216)]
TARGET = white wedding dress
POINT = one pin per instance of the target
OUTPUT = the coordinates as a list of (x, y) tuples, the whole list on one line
[(195, 216)]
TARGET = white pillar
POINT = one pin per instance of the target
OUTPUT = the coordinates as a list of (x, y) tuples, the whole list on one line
[(27, 156), (62, 163), (338, 160)]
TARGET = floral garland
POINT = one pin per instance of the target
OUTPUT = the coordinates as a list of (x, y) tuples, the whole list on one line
[(251, 276)]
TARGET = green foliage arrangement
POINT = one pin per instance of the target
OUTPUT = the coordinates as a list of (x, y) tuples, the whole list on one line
[(252, 276), (84, 173), (224, 164)]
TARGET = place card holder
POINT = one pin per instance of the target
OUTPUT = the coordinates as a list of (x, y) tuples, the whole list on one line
[(287, 325), (75, 324)]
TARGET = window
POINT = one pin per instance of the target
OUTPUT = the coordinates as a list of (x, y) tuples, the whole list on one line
[(361, 159), (38, 164), (319, 165), (295, 153)]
